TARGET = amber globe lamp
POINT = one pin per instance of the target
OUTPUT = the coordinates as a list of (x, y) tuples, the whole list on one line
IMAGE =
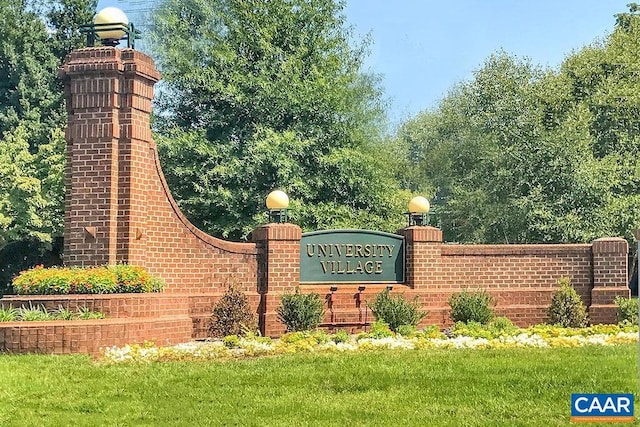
[(419, 211), (277, 203)]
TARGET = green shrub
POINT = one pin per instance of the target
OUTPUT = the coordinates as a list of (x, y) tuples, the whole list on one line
[(231, 341), (379, 329), (300, 312), (340, 336), (627, 310), (501, 326), (34, 314), (8, 314), (395, 311), (93, 280), (231, 315), (406, 330), (566, 307), (471, 307)]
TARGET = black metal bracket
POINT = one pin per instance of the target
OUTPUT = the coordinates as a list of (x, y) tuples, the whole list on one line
[(91, 30)]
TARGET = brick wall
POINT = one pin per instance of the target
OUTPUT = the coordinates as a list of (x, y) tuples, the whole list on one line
[(118, 206), (131, 318), (118, 209), (522, 278)]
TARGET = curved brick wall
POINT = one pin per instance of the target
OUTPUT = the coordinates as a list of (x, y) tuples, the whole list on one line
[(118, 206)]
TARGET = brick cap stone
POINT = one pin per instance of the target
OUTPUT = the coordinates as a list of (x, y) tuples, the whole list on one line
[(515, 250), (417, 233), (109, 59), (273, 231), (608, 245)]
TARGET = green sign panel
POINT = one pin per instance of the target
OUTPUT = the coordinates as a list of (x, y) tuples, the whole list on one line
[(343, 256)]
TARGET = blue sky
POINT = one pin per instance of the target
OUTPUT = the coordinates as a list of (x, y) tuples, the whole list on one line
[(421, 48)]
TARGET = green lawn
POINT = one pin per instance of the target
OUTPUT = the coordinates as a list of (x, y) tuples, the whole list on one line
[(507, 387)]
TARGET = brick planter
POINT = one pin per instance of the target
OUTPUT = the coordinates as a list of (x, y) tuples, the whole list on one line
[(131, 318)]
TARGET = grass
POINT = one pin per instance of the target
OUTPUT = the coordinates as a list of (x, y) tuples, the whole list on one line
[(508, 387)]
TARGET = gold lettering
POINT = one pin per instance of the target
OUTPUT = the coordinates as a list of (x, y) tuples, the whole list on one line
[(348, 250), (359, 268), (324, 266), (390, 249), (323, 249), (358, 251), (310, 250), (338, 249), (349, 270), (367, 251), (378, 267), (368, 267), (339, 268)]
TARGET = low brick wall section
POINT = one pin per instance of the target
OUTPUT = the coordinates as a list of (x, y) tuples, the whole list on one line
[(131, 318), (521, 278), (90, 336)]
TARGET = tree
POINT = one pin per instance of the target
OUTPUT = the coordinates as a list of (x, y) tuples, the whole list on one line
[(28, 75), (523, 154), (64, 18), (37, 36), (262, 95)]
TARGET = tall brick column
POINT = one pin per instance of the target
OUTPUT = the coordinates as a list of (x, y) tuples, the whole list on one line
[(278, 248), (423, 250), (610, 278), (109, 93)]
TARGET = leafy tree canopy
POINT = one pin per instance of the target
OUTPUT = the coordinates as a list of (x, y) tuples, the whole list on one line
[(36, 38), (525, 154), (258, 95)]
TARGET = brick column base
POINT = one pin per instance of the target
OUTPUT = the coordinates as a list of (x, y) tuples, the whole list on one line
[(278, 248), (609, 278)]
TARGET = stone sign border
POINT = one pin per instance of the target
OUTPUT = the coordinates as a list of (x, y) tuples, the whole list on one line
[(360, 239)]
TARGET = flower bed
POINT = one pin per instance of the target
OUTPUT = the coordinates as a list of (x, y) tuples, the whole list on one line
[(237, 347), (94, 280)]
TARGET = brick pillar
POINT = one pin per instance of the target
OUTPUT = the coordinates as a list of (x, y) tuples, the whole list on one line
[(108, 93), (423, 249), (609, 278), (278, 248)]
